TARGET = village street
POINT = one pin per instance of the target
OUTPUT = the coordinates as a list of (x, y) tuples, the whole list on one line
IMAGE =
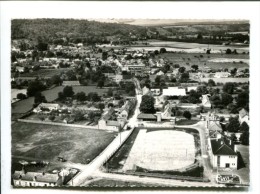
[(110, 149)]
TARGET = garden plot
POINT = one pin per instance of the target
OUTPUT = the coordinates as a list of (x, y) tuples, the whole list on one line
[(161, 150)]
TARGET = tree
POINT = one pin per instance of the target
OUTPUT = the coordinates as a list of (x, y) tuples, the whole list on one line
[(221, 119), (233, 137), (156, 52), (229, 88), (244, 138), (93, 96), (211, 83), (243, 100), (81, 96), (226, 99), (91, 116), (233, 125), (202, 90), (215, 101), (78, 116), (34, 87), (163, 50), (187, 114), (110, 92), (121, 103), (100, 83), (147, 104), (101, 106), (56, 80), (21, 96), (51, 117), (68, 91), (104, 55), (199, 36), (228, 51), (195, 67), (42, 46), (184, 77), (182, 69), (244, 127), (39, 98)]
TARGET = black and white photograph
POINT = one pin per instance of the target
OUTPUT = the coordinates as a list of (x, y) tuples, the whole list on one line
[(125, 103)]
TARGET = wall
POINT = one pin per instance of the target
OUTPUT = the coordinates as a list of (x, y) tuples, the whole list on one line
[(225, 159), (23, 183)]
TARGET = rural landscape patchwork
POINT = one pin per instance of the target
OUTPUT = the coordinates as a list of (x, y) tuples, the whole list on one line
[(130, 103)]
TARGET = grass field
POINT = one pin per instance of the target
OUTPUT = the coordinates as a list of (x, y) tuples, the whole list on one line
[(24, 106), (118, 183), (186, 122), (47, 142), (146, 152), (45, 72), (188, 59)]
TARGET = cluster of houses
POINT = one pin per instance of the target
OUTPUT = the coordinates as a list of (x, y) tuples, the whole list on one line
[(221, 148), (41, 179)]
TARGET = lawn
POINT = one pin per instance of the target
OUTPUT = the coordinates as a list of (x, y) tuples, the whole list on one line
[(24, 106), (47, 142)]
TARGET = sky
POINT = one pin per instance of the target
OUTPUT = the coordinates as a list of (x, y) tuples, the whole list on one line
[(154, 22)]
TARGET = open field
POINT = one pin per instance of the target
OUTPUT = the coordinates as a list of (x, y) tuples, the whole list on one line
[(118, 183), (14, 93), (207, 60), (47, 142), (24, 106), (161, 150), (45, 72), (150, 152)]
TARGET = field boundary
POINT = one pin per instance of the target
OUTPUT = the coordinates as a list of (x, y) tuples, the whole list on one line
[(61, 124)]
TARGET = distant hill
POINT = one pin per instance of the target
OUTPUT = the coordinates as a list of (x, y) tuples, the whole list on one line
[(86, 31), (58, 28)]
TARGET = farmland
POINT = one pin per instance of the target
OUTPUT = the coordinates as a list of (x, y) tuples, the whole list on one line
[(47, 142), (45, 72), (205, 60), (24, 106)]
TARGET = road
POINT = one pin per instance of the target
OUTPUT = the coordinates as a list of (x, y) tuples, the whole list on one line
[(87, 172)]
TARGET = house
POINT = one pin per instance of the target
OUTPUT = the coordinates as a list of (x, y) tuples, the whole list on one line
[(222, 74), (155, 91), (189, 88), (160, 73), (46, 107), (205, 101), (146, 117), (223, 153), (243, 116), (106, 121), (174, 91), (22, 178), (146, 91), (214, 126), (19, 69), (70, 83)]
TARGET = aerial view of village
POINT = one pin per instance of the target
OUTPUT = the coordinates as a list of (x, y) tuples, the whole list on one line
[(128, 103)]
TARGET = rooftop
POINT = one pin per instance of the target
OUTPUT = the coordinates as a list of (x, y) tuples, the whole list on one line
[(222, 146)]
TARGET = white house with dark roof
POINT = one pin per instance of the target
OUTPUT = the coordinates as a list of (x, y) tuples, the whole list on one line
[(223, 153), (243, 116), (205, 101)]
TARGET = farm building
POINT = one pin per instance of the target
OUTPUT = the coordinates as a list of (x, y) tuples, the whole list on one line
[(222, 74), (243, 116), (174, 91), (70, 83), (46, 107), (22, 178), (223, 153), (205, 101), (146, 117)]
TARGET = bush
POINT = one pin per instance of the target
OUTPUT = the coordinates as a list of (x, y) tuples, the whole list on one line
[(187, 114), (21, 96)]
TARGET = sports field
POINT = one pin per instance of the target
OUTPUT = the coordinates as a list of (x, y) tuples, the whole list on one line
[(161, 150)]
